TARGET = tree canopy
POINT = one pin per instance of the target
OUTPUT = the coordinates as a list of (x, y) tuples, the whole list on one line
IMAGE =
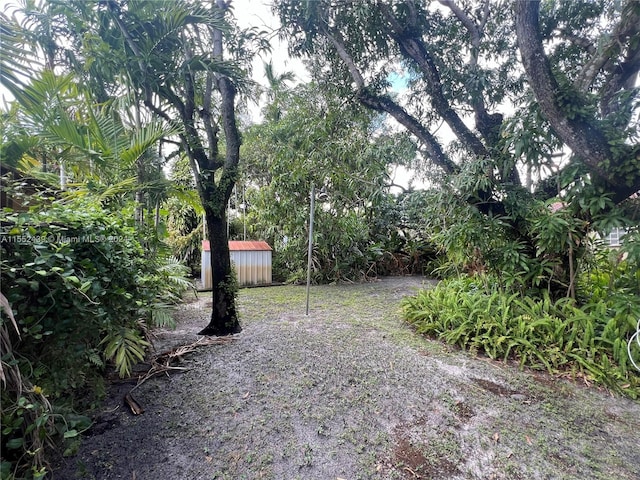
[(498, 93), (463, 69), (311, 138)]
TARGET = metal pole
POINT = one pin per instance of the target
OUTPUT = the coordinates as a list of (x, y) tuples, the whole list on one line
[(244, 211), (310, 253), (204, 226)]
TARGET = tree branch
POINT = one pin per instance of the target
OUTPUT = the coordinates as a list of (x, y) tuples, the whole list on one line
[(469, 24), (210, 126), (581, 42), (584, 139), (487, 124), (623, 77), (227, 108), (627, 28), (378, 103), (193, 144), (432, 147), (338, 43), (128, 39), (413, 47)]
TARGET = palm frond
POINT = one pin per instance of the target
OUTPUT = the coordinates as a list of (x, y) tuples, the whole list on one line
[(175, 274), (187, 196), (161, 316), (206, 63), (144, 138), (106, 135), (17, 62), (14, 152), (127, 185), (45, 92), (125, 347)]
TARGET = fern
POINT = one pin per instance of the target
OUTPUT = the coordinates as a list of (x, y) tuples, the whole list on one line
[(125, 347), (95, 358), (161, 316), (539, 333)]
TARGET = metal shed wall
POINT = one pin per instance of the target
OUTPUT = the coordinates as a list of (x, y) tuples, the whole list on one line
[(252, 261)]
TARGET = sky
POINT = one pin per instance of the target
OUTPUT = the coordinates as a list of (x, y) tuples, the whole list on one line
[(257, 13)]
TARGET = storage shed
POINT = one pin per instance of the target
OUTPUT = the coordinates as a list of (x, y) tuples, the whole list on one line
[(251, 259)]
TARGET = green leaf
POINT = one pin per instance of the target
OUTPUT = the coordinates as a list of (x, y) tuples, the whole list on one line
[(15, 443)]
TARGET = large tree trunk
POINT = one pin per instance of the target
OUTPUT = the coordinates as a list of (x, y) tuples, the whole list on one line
[(581, 133), (224, 317), (199, 140)]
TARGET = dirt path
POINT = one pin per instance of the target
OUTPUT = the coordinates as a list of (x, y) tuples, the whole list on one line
[(349, 392)]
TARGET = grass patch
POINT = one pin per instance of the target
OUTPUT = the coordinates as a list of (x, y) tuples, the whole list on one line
[(366, 305)]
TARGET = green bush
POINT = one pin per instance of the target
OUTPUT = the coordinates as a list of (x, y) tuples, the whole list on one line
[(558, 336), (612, 270), (83, 294)]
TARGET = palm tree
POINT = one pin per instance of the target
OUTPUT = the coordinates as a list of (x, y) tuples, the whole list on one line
[(16, 60), (277, 86), (175, 60)]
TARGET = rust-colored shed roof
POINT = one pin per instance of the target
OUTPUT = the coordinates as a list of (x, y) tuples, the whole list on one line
[(238, 245), (255, 245)]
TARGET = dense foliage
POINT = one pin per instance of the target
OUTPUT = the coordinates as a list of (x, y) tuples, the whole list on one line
[(496, 296), (558, 336), (83, 293), (311, 138), (170, 67), (184, 217), (497, 127)]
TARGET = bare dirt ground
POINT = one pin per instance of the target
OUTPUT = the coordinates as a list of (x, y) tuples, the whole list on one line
[(350, 392)]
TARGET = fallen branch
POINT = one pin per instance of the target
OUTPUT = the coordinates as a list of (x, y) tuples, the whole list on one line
[(134, 406), (412, 472), (184, 349), (162, 363)]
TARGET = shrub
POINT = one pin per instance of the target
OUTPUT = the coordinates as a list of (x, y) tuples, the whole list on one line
[(558, 336), (83, 294)]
